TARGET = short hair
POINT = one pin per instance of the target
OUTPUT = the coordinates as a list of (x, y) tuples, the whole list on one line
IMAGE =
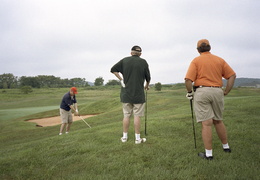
[(204, 47), (136, 53)]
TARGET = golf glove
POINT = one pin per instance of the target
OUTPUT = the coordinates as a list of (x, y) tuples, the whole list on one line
[(122, 83), (77, 112), (189, 96)]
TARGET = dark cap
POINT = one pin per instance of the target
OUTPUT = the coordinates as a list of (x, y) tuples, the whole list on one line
[(136, 48)]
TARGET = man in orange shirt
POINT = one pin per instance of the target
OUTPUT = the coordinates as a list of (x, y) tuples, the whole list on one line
[(207, 71)]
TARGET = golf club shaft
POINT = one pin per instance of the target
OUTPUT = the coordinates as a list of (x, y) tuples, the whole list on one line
[(192, 117), (85, 122), (145, 112)]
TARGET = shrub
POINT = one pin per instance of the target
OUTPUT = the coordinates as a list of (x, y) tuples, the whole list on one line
[(26, 89), (158, 86)]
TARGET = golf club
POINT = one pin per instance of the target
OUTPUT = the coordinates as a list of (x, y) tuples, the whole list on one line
[(192, 118), (85, 121), (145, 113)]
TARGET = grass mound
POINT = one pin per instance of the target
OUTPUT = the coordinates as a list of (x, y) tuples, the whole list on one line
[(97, 153)]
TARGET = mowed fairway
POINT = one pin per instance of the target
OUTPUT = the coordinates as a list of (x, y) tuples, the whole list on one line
[(30, 152)]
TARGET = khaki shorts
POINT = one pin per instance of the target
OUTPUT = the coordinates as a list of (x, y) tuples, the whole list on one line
[(208, 103), (129, 109), (66, 116)]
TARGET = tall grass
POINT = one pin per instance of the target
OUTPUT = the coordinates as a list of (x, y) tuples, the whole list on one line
[(29, 152)]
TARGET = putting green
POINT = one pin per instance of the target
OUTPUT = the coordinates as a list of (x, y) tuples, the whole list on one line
[(7, 114)]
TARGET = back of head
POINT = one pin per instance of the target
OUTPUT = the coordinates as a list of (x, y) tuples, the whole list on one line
[(203, 45), (136, 50)]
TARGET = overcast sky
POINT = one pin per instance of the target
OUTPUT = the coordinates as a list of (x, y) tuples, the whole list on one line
[(85, 38)]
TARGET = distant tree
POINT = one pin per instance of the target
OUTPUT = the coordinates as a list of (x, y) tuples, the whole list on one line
[(78, 82), (4, 85), (158, 86), (8, 81), (26, 89), (99, 81), (87, 84), (113, 82), (29, 81), (65, 83), (48, 81)]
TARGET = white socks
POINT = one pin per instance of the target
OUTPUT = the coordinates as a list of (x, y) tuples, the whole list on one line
[(225, 146), (124, 135), (137, 136), (208, 152)]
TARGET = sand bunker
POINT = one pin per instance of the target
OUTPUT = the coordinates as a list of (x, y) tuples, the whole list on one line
[(53, 121)]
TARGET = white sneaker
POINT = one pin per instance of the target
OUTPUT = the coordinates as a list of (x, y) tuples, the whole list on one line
[(67, 132), (60, 133), (123, 139), (139, 141)]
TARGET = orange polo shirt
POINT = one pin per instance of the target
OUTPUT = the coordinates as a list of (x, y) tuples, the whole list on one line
[(208, 70)]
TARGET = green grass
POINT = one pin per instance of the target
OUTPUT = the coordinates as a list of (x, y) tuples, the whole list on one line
[(29, 152)]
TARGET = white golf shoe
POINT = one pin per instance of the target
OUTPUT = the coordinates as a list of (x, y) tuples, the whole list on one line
[(123, 139), (139, 141)]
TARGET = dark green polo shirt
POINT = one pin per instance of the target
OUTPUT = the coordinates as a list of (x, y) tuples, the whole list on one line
[(135, 71)]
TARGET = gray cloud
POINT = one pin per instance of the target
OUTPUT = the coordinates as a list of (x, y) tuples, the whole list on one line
[(84, 39)]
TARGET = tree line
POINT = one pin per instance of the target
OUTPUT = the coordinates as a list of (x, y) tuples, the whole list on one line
[(9, 81)]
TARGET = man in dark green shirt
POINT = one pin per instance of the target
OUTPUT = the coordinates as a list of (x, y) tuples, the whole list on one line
[(135, 72)]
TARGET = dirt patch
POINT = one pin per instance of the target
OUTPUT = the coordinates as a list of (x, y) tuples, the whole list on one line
[(53, 121)]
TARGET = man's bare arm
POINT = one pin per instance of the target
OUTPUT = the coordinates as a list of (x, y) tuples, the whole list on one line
[(230, 84)]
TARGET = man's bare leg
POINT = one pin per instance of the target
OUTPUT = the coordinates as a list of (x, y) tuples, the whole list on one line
[(207, 136), (137, 124), (62, 127), (221, 131), (68, 127), (126, 122)]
